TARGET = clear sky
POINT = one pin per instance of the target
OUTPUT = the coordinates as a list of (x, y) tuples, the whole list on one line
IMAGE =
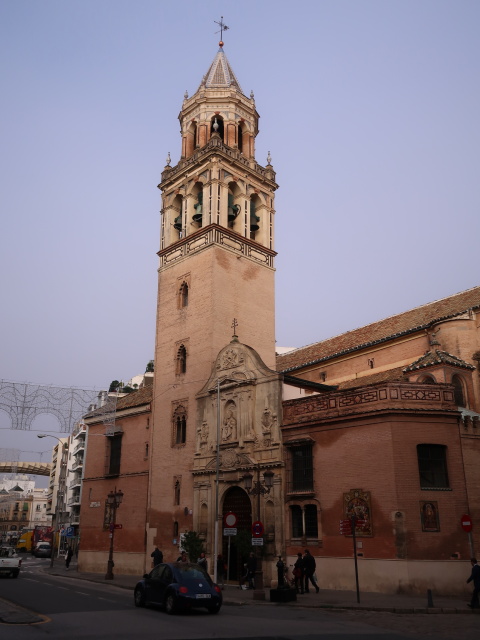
[(370, 111)]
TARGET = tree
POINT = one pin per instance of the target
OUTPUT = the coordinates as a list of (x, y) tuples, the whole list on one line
[(149, 368), (113, 386), (193, 545)]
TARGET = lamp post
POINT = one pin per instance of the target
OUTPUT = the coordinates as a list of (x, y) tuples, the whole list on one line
[(258, 489), (114, 500), (60, 492)]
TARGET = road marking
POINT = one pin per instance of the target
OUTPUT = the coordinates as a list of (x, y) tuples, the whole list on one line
[(82, 593), (106, 599), (31, 580)]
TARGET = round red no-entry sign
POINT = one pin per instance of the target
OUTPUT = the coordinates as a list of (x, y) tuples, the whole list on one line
[(466, 523), (230, 520)]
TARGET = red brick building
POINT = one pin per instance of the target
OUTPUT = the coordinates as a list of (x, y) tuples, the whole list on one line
[(397, 439), (116, 459)]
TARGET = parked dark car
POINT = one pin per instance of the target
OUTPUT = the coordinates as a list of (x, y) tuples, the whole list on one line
[(178, 586), (43, 550)]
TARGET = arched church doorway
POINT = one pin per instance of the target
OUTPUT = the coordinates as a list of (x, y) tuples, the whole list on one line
[(237, 501)]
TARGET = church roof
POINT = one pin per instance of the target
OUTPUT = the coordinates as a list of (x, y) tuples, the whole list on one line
[(220, 74), (381, 331), (433, 358)]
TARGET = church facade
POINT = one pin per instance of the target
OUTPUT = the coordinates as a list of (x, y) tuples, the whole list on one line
[(380, 423)]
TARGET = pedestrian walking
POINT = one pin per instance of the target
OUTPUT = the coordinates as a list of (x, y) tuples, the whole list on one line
[(182, 557), (202, 561), (298, 573), (221, 571), (309, 566), (157, 556), (475, 578), (251, 569), (68, 557)]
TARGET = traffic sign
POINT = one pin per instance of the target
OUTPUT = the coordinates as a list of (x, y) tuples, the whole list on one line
[(230, 531), (230, 520), (70, 532), (257, 529), (466, 523), (257, 542)]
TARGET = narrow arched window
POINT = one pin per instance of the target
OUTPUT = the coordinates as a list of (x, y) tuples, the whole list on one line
[(179, 436), (217, 126), (181, 360), (176, 499), (459, 391), (184, 295), (240, 138)]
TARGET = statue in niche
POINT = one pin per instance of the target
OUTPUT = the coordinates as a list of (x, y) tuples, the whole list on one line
[(204, 433), (268, 420), (229, 428)]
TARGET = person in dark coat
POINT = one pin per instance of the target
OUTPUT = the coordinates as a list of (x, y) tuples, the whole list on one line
[(251, 568), (221, 566), (298, 573), (68, 557), (157, 556), (475, 578), (309, 566)]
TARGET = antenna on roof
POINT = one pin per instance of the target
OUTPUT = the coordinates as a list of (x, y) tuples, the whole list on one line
[(223, 27)]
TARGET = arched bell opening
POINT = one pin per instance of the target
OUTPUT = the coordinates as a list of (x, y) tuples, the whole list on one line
[(191, 139), (427, 379), (198, 206), (217, 126), (237, 501), (240, 138), (177, 220), (233, 207), (254, 218)]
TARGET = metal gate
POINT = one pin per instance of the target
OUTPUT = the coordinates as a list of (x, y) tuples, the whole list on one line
[(237, 501)]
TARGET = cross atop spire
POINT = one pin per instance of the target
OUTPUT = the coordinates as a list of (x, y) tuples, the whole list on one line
[(223, 27)]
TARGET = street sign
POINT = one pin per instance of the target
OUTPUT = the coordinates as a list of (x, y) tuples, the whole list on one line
[(70, 532), (257, 542), (230, 520), (230, 531), (466, 523), (257, 529)]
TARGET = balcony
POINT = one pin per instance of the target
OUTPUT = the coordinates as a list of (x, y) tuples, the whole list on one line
[(77, 464), (74, 500), (76, 482), (80, 447)]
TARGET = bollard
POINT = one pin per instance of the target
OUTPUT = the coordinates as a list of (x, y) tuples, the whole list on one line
[(429, 599)]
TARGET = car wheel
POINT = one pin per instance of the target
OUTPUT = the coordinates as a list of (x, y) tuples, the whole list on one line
[(170, 603), (14, 574), (214, 608), (139, 598)]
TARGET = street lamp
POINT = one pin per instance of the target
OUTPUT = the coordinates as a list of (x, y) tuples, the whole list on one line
[(60, 492), (258, 489), (114, 500)]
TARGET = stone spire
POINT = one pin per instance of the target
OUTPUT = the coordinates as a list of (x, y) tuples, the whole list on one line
[(220, 74)]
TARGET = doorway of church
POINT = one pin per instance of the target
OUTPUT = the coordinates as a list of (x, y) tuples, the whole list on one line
[(237, 501)]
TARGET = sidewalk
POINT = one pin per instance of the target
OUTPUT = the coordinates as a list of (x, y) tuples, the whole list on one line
[(326, 599)]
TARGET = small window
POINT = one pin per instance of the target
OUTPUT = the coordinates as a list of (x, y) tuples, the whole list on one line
[(176, 497), (458, 391), (432, 466), (181, 360), (184, 295), (179, 426), (297, 524), (146, 450), (311, 523), (175, 529), (301, 469), (115, 455)]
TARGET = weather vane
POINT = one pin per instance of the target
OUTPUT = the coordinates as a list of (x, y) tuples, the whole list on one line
[(223, 27)]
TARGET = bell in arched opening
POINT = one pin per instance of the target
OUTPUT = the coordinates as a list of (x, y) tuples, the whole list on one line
[(178, 223), (233, 209), (198, 215), (254, 219)]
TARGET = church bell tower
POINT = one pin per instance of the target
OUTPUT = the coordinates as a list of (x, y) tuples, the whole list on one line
[(216, 272)]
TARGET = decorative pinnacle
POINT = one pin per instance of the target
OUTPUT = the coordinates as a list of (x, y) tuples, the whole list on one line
[(223, 27), (269, 158), (185, 95), (168, 159)]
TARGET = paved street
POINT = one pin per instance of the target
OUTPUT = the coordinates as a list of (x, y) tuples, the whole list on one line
[(66, 604)]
